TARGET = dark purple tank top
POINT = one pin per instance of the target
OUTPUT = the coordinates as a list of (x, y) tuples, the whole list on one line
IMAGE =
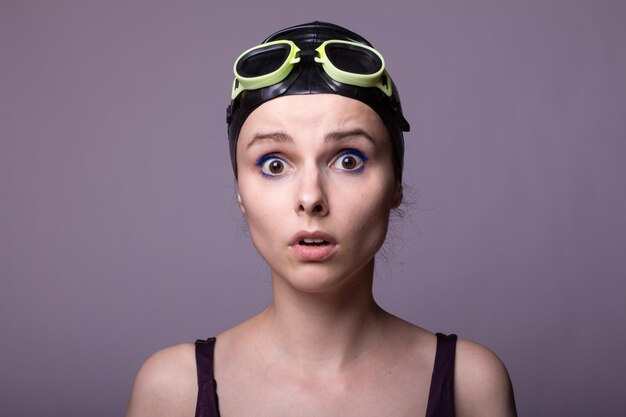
[(440, 396)]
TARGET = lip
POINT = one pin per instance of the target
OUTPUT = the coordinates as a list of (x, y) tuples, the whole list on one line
[(312, 252)]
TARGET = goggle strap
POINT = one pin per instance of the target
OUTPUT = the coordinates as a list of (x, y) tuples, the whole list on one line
[(307, 53)]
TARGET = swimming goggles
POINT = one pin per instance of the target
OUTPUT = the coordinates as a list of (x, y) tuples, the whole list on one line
[(344, 61)]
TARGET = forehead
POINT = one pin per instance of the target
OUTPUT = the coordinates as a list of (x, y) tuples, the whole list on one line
[(312, 113)]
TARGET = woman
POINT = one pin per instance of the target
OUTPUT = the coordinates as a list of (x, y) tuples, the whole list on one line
[(315, 130)]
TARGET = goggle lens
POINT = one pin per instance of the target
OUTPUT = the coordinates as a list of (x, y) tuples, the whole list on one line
[(263, 61), (353, 59)]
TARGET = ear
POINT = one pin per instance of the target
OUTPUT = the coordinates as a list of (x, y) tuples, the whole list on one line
[(243, 209), (397, 196)]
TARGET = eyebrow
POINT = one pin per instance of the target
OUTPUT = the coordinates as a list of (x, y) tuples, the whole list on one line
[(282, 137), (342, 134), (277, 137)]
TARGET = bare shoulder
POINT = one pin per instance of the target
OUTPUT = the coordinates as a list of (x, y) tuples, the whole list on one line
[(166, 384), (482, 384)]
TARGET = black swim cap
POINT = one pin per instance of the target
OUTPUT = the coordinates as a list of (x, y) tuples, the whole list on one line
[(307, 77)]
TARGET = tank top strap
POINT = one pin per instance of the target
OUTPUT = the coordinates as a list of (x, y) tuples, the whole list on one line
[(441, 395), (207, 405)]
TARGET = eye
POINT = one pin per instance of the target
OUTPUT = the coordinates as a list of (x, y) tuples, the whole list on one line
[(350, 160), (271, 165)]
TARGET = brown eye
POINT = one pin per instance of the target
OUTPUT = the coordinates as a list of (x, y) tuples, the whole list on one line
[(276, 167), (350, 160), (272, 167)]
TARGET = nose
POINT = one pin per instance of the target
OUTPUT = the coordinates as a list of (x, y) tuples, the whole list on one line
[(311, 194)]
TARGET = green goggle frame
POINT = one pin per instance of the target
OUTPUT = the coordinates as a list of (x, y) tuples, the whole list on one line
[(346, 62)]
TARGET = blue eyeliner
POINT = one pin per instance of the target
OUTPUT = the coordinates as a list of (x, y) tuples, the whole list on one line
[(259, 162), (358, 153)]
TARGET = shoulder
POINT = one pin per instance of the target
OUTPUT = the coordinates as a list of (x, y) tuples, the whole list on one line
[(166, 384), (482, 385)]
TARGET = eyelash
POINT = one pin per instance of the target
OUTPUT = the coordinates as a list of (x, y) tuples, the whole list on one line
[(360, 156)]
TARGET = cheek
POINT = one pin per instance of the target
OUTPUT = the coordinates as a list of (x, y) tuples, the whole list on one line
[(372, 223), (367, 214), (264, 210)]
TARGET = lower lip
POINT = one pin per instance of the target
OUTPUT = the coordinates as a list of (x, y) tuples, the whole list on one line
[(312, 252)]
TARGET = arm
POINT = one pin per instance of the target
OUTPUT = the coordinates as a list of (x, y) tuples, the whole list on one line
[(166, 384), (482, 384)]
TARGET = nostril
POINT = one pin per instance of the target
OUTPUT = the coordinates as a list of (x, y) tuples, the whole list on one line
[(318, 207)]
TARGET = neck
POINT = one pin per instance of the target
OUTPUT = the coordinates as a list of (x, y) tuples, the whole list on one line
[(330, 328)]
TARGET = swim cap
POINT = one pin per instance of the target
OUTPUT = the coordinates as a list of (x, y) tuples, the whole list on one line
[(305, 75)]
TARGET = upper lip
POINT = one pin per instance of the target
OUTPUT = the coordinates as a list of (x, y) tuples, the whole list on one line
[(316, 234)]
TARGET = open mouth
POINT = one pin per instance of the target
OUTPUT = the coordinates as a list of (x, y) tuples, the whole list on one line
[(315, 246), (313, 242)]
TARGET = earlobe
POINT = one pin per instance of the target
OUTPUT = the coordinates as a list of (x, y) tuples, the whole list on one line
[(241, 207), (397, 196)]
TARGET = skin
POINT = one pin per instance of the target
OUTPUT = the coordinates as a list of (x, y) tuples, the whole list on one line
[(323, 347)]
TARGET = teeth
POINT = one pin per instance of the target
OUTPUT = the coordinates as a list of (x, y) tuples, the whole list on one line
[(313, 240)]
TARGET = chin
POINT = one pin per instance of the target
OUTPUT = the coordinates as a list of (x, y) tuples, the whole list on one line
[(322, 277)]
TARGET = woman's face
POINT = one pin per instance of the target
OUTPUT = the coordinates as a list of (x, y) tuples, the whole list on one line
[(316, 183)]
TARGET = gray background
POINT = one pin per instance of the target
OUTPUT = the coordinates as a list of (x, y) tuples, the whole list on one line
[(119, 232)]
